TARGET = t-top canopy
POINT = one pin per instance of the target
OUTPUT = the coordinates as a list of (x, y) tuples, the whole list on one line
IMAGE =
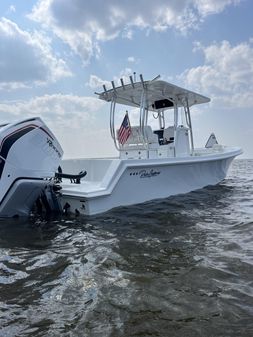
[(159, 95)]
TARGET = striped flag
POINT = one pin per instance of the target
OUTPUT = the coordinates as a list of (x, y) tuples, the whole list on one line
[(125, 130)]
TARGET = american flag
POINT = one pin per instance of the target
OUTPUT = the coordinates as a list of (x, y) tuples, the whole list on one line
[(125, 130)]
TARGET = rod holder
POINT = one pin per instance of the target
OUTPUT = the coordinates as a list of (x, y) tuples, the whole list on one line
[(142, 82), (105, 91), (113, 86), (122, 83), (156, 78), (131, 80)]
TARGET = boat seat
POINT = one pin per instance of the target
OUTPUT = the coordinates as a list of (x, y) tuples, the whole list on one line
[(136, 139), (151, 137), (135, 136), (168, 135)]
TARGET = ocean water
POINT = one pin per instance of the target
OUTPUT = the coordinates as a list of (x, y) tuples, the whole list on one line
[(177, 267)]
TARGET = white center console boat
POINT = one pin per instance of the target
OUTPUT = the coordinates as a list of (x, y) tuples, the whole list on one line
[(154, 161)]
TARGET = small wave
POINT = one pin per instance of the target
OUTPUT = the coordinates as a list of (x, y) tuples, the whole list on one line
[(181, 265)]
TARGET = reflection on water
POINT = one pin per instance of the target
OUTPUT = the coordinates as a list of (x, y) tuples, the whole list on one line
[(177, 267)]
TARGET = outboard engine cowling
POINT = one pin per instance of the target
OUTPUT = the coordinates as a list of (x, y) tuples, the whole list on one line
[(29, 157)]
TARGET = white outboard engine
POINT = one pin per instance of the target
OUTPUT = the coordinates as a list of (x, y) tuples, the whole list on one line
[(29, 158)]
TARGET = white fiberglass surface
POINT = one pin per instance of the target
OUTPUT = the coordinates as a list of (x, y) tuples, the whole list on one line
[(96, 168)]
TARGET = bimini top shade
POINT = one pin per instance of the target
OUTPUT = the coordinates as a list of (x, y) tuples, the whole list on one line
[(159, 95)]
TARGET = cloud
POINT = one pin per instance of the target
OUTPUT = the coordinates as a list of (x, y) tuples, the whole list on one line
[(60, 111), (97, 82), (207, 7), (131, 59), (26, 58), (83, 27), (74, 120), (226, 75)]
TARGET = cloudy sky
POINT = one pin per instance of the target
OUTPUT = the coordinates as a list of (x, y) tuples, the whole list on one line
[(55, 53)]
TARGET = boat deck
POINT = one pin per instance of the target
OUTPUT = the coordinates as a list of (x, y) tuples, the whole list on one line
[(85, 187)]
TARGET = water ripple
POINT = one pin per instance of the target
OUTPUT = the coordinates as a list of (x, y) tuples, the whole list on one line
[(176, 267)]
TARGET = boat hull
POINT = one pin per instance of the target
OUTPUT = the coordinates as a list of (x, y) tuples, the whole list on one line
[(138, 181)]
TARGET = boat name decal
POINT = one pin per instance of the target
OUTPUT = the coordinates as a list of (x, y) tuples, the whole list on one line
[(148, 173), (51, 144)]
